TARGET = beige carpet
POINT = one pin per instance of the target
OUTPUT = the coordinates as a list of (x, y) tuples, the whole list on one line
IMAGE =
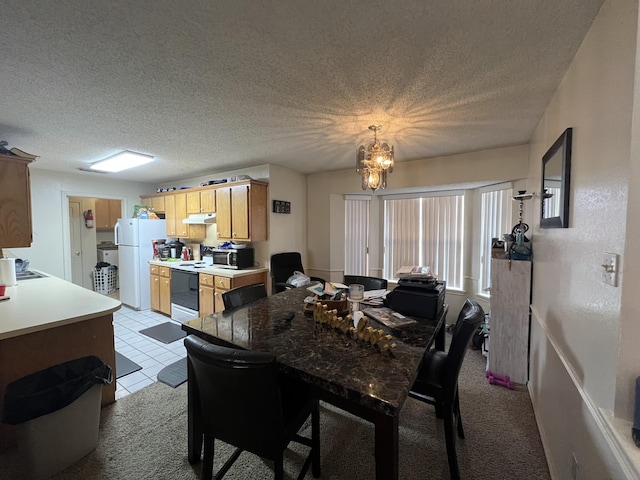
[(143, 436)]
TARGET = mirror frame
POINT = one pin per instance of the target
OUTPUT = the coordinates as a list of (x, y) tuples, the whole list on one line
[(561, 149)]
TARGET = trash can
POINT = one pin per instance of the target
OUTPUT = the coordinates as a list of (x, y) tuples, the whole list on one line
[(56, 413)]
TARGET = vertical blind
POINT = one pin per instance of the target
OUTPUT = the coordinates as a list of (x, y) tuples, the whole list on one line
[(495, 222), (425, 231), (356, 237)]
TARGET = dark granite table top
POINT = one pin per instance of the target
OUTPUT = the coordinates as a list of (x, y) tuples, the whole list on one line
[(328, 359)]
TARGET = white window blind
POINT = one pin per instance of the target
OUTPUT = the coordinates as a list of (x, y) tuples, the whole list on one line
[(356, 237), (426, 231), (495, 222)]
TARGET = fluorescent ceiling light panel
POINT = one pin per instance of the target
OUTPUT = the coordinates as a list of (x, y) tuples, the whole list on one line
[(121, 161)]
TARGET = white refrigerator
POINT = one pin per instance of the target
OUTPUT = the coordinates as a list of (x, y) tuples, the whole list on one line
[(133, 237)]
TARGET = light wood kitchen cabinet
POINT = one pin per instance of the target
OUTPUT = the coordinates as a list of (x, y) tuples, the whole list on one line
[(15, 202), (201, 201), (160, 288), (206, 294), (241, 212), (154, 202), (222, 284), (107, 213), (175, 211)]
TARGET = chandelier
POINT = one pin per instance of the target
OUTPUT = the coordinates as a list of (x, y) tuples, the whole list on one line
[(374, 161)]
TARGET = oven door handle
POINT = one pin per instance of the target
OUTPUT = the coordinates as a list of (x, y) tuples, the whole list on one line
[(229, 259)]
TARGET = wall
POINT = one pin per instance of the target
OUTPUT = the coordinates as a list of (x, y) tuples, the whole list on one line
[(326, 191), (326, 204), (50, 216), (286, 232), (575, 316)]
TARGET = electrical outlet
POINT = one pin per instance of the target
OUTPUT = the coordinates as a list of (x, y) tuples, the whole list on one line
[(610, 269)]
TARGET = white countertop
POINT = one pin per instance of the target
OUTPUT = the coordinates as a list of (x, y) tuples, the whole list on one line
[(41, 303), (221, 272)]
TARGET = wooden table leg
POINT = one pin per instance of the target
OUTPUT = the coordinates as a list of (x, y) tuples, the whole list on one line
[(386, 447)]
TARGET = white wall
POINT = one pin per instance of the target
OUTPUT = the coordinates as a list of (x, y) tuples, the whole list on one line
[(576, 317), (49, 192)]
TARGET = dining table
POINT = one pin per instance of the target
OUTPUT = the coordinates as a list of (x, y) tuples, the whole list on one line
[(340, 369)]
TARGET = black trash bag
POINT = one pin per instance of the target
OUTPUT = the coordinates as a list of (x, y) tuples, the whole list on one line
[(53, 388)]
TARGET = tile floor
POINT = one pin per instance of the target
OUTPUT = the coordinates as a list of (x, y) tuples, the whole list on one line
[(150, 354)]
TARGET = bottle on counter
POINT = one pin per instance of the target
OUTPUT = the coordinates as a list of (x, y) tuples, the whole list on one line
[(185, 254)]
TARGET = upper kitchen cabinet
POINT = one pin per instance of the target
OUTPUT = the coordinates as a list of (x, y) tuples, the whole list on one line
[(154, 202), (241, 212), (107, 213), (201, 201), (175, 211), (15, 202)]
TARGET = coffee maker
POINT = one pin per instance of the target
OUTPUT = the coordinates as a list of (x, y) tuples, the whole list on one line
[(175, 248)]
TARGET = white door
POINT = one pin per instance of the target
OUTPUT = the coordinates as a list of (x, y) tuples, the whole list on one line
[(75, 229)]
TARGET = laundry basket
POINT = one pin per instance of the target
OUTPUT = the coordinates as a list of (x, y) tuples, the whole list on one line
[(105, 279)]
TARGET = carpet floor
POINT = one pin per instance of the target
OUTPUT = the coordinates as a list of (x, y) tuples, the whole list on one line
[(144, 436)]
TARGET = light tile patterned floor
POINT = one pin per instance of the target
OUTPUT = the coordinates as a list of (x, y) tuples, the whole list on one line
[(150, 354)]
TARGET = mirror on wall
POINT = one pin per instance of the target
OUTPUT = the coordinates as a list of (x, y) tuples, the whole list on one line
[(556, 173)]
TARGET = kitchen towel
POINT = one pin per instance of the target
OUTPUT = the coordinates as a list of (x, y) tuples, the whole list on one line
[(8, 271)]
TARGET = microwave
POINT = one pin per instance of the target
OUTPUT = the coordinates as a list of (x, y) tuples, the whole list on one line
[(231, 258)]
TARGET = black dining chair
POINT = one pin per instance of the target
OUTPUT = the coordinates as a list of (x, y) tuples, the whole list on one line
[(248, 403), (437, 382), (244, 295), (370, 283), (283, 265)]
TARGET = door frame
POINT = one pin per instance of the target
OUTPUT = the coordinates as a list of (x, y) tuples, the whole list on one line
[(66, 230)]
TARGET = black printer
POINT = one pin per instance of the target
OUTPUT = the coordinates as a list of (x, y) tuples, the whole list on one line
[(419, 297)]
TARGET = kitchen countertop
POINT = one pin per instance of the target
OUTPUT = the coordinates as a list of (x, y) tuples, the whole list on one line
[(222, 272), (42, 303)]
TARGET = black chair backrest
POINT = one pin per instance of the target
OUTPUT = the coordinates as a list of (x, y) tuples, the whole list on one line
[(284, 264), (470, 317), (370, 283), (244, 295), (240, 392)]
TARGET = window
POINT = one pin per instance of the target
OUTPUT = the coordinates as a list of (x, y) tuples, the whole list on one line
[(356, 237), (495, 222), (426, 231)]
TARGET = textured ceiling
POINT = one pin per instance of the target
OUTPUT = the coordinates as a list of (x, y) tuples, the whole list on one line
[(209, 86)]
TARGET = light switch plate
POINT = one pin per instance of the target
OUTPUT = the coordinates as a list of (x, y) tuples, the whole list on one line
[(610, 269)]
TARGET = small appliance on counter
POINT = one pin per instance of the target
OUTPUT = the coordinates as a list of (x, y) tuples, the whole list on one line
[(234, 258), (175, 249)]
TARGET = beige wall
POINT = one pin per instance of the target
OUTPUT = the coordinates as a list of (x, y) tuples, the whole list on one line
[(50, 217), (576, 320), (326, 205)]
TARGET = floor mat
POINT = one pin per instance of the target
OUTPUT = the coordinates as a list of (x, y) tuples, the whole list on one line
[(165, 332), (174, 374), (124, 366)]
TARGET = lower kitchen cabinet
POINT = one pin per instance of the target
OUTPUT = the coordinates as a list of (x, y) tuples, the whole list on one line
[(206, 294), (222, 284), (160, 288)]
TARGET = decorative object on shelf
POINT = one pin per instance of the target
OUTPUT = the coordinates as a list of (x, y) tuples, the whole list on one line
[(374, 162), (556, 176), (518, 245), (281, 206)]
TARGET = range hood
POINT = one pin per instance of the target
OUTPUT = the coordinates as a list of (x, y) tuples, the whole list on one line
[(200, 219)]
